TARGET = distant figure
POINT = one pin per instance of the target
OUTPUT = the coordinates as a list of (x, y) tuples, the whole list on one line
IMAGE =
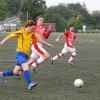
[(68, 46), (84, 28)]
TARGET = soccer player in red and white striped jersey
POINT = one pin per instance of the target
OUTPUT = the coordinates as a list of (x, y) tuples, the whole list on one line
[(39, 54), (68, 46)]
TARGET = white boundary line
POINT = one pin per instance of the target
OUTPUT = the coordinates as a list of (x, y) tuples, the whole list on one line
[(85, 59), (82, 41), (7, 60)]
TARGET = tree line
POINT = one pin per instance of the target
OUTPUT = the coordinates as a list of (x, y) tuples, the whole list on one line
[(62, 14)]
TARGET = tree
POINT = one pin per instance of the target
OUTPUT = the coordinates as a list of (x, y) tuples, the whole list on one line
[(13, 7), (3, 9), (77, 21), (61, 9), (57, 15), (73, 13), (96, 19), (79, 10), (33, 7), (60, 22)]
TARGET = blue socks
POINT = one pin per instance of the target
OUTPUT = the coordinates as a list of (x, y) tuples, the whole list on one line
[(27, 77), (8, 73)]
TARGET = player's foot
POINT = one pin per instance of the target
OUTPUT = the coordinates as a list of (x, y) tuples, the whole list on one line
[(31, 85), (2, 78), (51, 61), (34, 69), (70, 62), (18, 77)]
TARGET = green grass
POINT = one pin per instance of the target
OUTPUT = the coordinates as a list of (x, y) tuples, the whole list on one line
[(55, 82)]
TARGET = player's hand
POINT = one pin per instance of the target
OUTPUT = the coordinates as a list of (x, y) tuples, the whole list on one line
[(49, 28), (57, 40), (78, 41), (1, 43), (49, 45), (25, 65)]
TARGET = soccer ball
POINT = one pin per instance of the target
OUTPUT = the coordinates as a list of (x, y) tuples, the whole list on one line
[(78, 83)]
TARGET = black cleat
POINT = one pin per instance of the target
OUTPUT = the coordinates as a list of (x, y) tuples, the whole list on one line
[(51, 61)]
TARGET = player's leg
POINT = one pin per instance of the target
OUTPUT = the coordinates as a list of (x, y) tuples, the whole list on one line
[(33, 58), (21, 59), (18, 71), (5, 73), (43, 55), (59, 55), (37, 62), (25, 64), (11, 72), (27, 77), (41, 59), (73, 54), (41, 51), (29, 63)]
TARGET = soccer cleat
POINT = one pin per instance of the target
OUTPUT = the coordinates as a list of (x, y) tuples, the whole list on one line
[(18, 77), (70, 62), (31, 85), (33, 69), (51, 61), (2, 79)]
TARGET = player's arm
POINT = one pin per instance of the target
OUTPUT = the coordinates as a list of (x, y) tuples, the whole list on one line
[(38, 39), (4, 40), (45, 43), (76, 38), (59, 36), (47, 33), (10, 36)]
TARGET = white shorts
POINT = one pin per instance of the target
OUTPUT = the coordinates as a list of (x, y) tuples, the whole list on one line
[(68, 49), (37, 51)]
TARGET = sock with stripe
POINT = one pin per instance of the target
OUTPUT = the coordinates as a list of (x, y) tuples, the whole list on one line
[(8, 73)]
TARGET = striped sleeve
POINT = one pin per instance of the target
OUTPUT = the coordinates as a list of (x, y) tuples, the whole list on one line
[(15, 34), (35, 37)]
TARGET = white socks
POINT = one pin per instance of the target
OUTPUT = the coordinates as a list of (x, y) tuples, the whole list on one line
[(39, 61), (57, 56)]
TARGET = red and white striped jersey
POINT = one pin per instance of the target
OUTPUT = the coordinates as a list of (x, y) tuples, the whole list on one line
[(70, 36), (41, 31)]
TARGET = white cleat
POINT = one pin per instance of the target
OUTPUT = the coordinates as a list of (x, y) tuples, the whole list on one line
[(31, 85), (70, 62), (51, 61)]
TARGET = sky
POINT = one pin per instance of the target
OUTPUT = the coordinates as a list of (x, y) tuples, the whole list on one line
[(90, 4)]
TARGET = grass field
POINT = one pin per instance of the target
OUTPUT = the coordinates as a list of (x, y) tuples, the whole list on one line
[(55, 82)]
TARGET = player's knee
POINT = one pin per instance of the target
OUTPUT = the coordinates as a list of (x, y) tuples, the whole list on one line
[(46, 56), (15, 72), (25, 67), (74, 54), (63, 52)]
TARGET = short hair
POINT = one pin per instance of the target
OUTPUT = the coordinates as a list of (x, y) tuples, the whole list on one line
[(67, 28), (71, 26), (40, 16), (30, 23)]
